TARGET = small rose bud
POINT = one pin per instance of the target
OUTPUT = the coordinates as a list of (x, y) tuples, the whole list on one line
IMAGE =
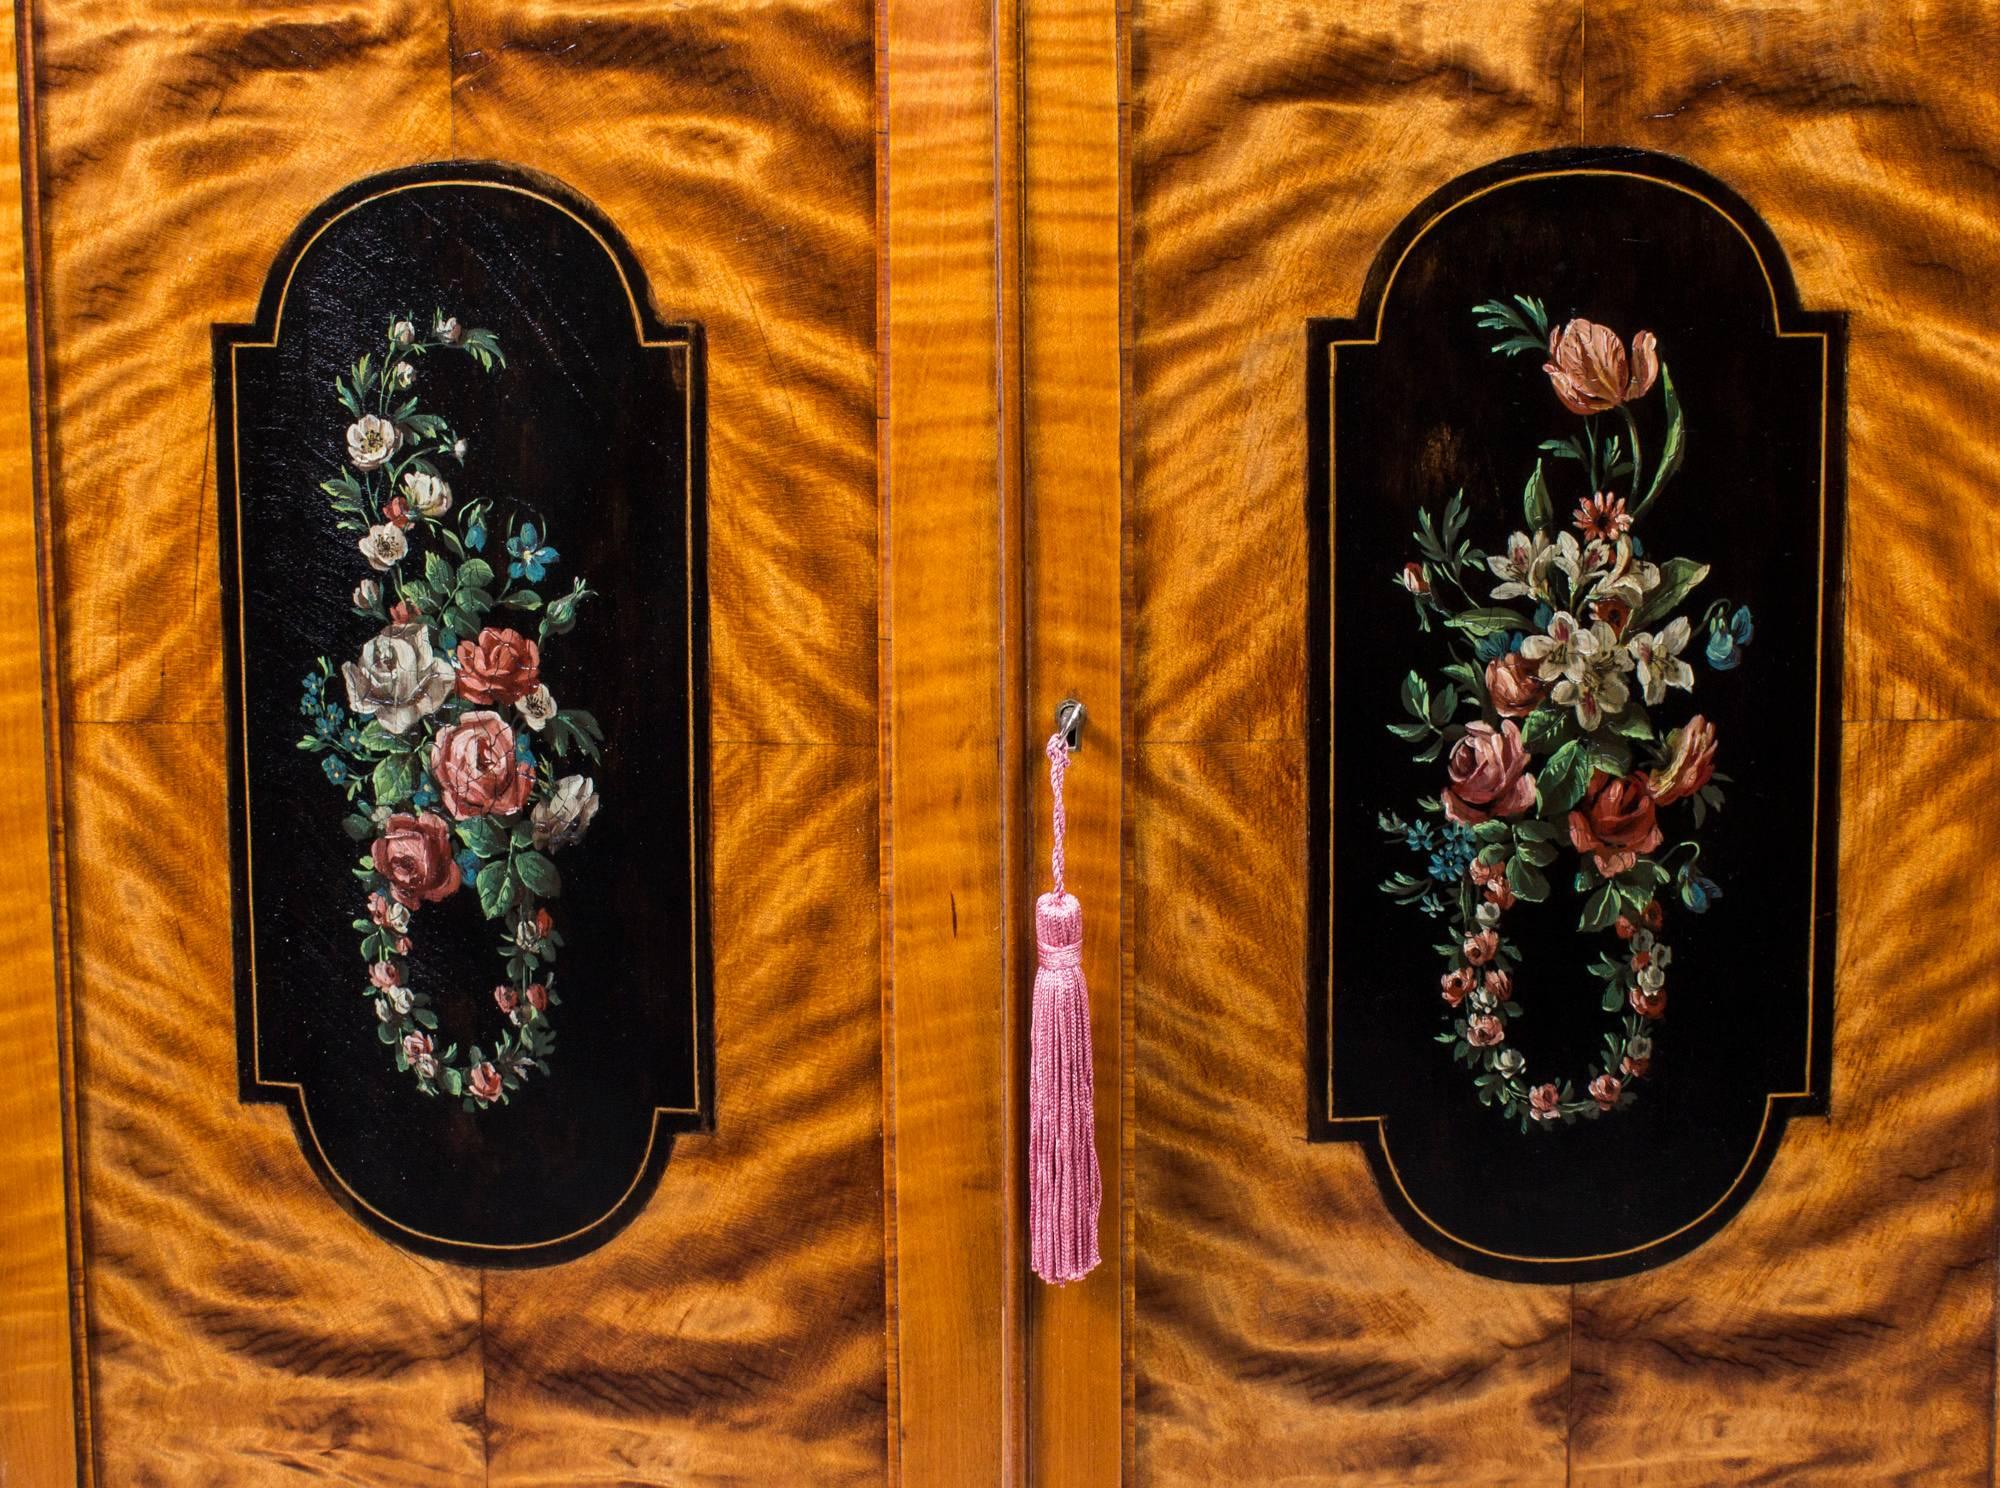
[(367, 594)]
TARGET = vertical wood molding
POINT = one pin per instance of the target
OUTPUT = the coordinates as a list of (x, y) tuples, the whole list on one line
[(39, 1432), (950, 683), (1072, 449)]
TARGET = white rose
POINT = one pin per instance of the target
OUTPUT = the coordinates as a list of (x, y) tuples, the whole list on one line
[(398, 680), (405, 374), (402, 999), (537, 708), (402, 333), (371, 441), (449, 331), (384, 547), (367, 594), (427, 493), (562, 820)]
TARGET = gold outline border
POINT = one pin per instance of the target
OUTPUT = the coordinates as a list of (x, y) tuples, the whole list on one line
[(1819, 663), (685, 344)]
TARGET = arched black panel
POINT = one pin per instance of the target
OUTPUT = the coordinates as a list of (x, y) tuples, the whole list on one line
[(460, 462), (1437, 437)]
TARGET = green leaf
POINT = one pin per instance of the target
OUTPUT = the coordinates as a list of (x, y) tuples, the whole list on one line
[(1541, 854), (437, 572), (522, 599), (1527, 883), (484, 836), (1492, 830), (1545, 727), (1536, 504), (1485, 622), (1443, 704), (1416, 695), (1632, 724), (1612, 757), (1600, 910), (496, 889), (1565, 778), (1409, 733), (475, 573), (378, 739), (538, 874), (395, 778), (459, 622), (1530, 830), (1677, 577), (358, 827), (1675, 448)]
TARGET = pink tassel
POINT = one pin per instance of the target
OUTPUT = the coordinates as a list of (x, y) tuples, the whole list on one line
[(1065, 1189)]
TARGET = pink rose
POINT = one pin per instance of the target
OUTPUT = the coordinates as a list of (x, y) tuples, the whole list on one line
[(507, 998), (538, 997), (477, 774), (1604, 1090), (1690, 761), (1499, 984), (417, 1049), (498, 668), (1488, 769), (1514, 684), (1545, 1103), (414, 854), (1482, 947), (484, 1080), (385, 974), (1458, 984), (1647, 1002), (1484, 1031)]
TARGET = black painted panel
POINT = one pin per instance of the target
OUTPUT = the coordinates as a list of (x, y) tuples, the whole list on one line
[(1524, 1171), (373, 752)]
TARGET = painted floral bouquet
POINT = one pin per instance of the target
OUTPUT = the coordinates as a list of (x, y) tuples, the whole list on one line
[(438, 746), (1549, 720)]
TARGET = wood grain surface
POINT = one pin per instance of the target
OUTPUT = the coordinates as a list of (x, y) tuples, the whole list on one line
[(1072, 458), (241, 1327), (38, 1437), (952, 678), (1840, 1330)]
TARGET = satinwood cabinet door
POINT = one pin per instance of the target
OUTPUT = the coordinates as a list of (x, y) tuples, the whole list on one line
[(545, 543)]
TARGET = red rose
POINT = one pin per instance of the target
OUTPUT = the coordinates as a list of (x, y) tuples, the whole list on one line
[(538, 997), (1457, 984), (1481, 948), (397, 510), (1614, 822), (1647, 1002), (507, 998), (498, 668), (476, 772), (403, 612), (414, 854), (1544, 1103), (1604, 1090), (1690, 761), (1515, 687), (1652, 914), (1488, 769), (484, 1080), (1500, 895), (1484, 1031)]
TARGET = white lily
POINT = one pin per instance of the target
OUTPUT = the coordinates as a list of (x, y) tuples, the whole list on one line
[(1658, 658), (1558, 648), (1516, 568)]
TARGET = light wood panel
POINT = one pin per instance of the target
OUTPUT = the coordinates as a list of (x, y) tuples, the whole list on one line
[(239, 1323), (1841, 1328), (38, 1439), (736, 1331), (1284, 1328), (951, 583), (1072, 453)]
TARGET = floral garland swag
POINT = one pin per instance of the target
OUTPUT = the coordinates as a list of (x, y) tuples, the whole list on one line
[(1564, 661), (449, 791)]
